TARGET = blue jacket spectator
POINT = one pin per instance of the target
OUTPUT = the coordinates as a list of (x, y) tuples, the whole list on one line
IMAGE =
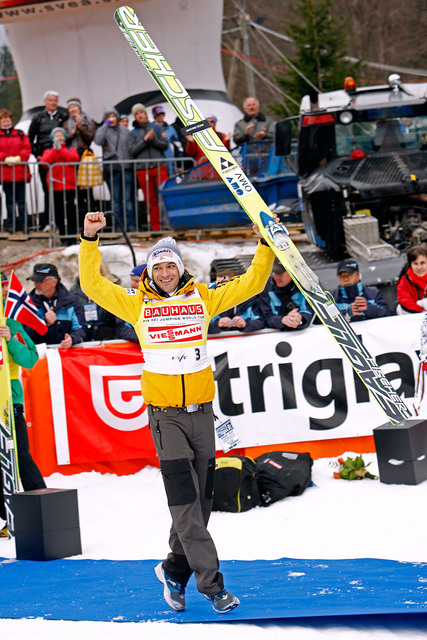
[(246, 317), (282, 304), (61, 310), (355, 301)]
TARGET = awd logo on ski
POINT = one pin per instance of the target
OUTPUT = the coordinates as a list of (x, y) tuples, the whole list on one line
[(225, 164)]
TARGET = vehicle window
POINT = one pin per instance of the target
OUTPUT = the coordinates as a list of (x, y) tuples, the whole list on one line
[(388, 134)]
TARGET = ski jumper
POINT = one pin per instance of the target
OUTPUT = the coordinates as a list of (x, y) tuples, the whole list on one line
[(178, 386)]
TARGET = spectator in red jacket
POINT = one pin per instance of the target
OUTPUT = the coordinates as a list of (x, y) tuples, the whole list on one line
[(15, 147), (192, 149), (62, 177), (412, 286)]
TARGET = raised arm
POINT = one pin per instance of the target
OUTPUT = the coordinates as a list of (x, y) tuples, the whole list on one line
[(93, 222)]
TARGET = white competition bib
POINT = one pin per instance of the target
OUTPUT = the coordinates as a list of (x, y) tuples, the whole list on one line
[(173, 334)]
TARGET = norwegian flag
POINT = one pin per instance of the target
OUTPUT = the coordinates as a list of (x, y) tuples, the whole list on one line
[(19, 306)]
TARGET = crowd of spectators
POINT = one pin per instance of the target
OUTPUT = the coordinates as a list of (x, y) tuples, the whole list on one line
[(60, 137), (72, 318)]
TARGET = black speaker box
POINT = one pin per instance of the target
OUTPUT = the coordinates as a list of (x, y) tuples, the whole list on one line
[(402, 452), (46, 524)]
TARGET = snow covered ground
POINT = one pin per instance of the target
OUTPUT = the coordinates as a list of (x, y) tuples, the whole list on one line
[(127, 518)]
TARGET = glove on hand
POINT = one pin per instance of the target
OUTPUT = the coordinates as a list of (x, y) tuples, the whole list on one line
[(12, 159), (57, 145), (422, 303)]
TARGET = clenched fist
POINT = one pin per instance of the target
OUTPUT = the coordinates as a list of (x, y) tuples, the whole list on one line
[(93, 223)]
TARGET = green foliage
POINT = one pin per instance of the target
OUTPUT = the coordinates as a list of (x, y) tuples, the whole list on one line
[(10, 93), (321, 46), (353, 469)]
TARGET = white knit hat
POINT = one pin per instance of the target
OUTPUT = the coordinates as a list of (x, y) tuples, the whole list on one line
[(165, 250)]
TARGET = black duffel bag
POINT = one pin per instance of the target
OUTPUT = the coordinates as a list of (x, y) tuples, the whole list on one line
[(281, 474), (236, 487)]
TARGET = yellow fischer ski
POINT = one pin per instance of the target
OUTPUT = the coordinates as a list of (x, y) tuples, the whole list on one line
[(249, 199), (8, 447)]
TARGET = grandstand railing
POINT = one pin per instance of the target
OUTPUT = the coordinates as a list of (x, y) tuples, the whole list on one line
[(256, 159), (39, 218)]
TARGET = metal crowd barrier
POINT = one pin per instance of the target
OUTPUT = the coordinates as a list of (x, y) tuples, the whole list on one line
[(58, 214)]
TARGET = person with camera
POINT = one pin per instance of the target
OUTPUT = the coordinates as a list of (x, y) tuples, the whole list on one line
[(355, 301), (282, 304)]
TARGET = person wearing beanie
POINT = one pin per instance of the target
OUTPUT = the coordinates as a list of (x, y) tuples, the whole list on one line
[(160, 125), (15, 148), (170, 313), (138, 107), (41, 125), (22, 352), (148, 145), (62, 179), (80, 131), (135, 275), (79, 127), (118, 172), (355, 301)]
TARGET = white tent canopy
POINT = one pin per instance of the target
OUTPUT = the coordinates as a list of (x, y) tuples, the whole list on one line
[(77, 49)]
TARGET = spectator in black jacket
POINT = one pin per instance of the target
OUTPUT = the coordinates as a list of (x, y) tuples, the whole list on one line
[(282, 304), (62, 311), (101, 323), (42, 124)]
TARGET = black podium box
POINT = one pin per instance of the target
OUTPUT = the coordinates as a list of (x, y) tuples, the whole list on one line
[(46, 524), (402, 452)]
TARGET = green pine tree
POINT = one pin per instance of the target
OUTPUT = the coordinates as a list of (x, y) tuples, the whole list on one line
[(320, 42), (10, 93)]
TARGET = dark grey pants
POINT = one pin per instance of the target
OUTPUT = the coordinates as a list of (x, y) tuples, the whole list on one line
[(185, 444)]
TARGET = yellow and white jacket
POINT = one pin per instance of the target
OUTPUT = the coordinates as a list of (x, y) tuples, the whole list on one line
[(172, 331)]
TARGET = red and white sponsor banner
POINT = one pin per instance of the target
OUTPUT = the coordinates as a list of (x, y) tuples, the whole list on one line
[(277, 387), (98, 410)]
